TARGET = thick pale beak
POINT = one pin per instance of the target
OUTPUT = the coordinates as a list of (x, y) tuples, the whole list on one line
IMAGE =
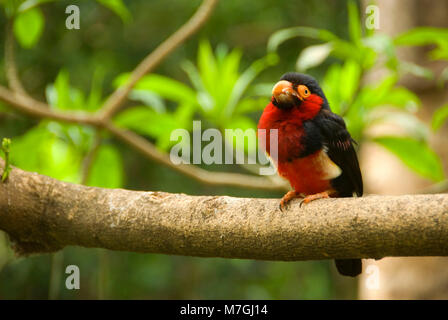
[(284, 93)]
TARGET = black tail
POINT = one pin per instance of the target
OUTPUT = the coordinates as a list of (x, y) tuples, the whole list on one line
[(349, 267)]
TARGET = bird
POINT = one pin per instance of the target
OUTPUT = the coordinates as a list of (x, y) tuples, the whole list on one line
[(315, 151)]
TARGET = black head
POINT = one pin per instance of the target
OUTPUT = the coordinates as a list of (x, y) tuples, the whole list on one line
[(294, 88)]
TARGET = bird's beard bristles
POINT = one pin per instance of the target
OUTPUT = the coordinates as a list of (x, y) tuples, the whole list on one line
[(284, 98), (285, 101)]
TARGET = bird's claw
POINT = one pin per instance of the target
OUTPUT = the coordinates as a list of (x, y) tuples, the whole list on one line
[(312, 197), (286, 199), (283, 204), (293, 194)]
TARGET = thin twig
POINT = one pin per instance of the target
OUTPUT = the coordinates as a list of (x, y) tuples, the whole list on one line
[(114, 102), (41, 110), (211, 178), (89, 159), (28, 105), (57, 260), (10, 64)]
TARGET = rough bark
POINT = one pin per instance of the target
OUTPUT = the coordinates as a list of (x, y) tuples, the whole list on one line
[(42, 214)]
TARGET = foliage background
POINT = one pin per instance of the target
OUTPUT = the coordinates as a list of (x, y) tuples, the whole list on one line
[(79, 68)]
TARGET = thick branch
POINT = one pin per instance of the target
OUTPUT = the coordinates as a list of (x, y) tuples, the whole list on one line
[(44, 215)]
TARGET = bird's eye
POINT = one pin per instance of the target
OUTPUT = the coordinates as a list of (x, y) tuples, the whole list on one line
[(303, 91)]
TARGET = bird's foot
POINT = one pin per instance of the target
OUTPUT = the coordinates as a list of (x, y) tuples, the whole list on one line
[(312, 197), (287, 198)]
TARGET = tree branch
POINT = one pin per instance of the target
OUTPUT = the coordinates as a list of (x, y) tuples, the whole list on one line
[(21, 101), (204, 176), (44, 215), (114, 102), (89, 159), (10, 63), (39, 109)]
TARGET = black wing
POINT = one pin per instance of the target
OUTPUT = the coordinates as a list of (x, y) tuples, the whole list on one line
[(341, 151)]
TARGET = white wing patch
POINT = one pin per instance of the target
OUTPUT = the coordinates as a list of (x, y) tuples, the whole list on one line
[(330, 170)]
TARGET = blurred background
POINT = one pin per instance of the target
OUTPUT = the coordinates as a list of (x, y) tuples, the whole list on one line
[(384, 70)]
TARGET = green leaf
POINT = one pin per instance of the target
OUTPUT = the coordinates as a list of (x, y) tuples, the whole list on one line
[(276, 39), (193, 74), (417, 155), (156, 125), (28, 27), (261, 89), (96, 90), (443, 78), (219, 85), (422, 36), (401, 97), (416, 70), (246, 78), (330, 86), (6, 148), (356, 120), (107, 168), (381, 43), (11, 7), (40, 150), (184, 115), (313, 56), (441, 52), (62, 87), (349, 80), (248, 105), (346, 50), (150, 99), (340, 85), (229, 78), (163, 86), (208, 67), (354, 24), (371, 96), (439, 117), (387, 95), (204, 99), (118, 7), (413, 126), (60, 95), (241, 122), (146, 121)]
